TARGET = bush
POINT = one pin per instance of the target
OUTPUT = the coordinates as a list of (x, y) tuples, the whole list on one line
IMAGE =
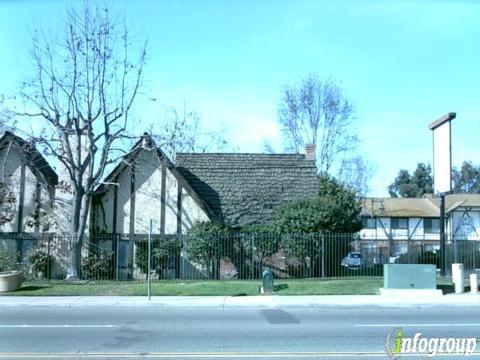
[(206, 244), (162, 248), (98, 265), (259, 242), (264, 239), (430, 257), (335, 210), (7, 261), (41, 262)]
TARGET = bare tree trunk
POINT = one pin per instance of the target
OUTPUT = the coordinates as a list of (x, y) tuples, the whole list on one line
[(81, 207)]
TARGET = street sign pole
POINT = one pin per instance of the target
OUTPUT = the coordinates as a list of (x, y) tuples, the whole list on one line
[(443, 256), (442, 173)]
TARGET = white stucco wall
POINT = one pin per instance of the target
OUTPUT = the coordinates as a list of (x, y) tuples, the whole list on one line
[(10, 173), (148, 192), (10, 169), (29, 202), (171, 192), (191, 212), (148, 204), (416, 230), (383, 227)]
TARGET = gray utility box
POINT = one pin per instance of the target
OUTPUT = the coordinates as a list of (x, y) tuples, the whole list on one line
[(409, 276)]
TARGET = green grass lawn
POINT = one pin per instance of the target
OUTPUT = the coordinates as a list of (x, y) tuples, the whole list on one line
[(361, 286)]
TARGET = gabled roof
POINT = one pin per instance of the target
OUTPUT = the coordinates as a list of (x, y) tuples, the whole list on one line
[(453, 201), (35, 160), (246, 189), (399, 207), (427, 206), (146, 143)]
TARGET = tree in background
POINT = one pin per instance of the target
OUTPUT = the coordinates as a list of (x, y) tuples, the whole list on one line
[(467, 179), (415, 185), (7, 121), (317, 111), (83, 88), (182, 131)]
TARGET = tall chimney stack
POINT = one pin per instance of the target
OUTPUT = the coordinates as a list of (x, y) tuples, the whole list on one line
[(310, 152)]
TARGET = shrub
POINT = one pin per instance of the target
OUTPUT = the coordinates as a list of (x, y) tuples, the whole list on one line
[(7, 261), (98, 265), (259, 242), (206, 244), (430, 257), (41, 262), (163, 247), (263, 239), (335, 210)]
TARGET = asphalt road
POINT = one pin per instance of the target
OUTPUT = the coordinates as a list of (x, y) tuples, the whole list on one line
[(327, 332)]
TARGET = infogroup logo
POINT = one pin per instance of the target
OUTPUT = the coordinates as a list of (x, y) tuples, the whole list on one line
[(397, 344)]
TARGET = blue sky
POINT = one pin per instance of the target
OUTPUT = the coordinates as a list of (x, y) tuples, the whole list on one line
[(403, 63)]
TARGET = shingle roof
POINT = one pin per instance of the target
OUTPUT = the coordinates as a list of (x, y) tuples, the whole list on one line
[(35, 159), (399, 207), (246, 189), (454, 201), (427, 206)]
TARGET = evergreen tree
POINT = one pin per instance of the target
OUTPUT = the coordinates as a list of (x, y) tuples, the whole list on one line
[(415, 185)]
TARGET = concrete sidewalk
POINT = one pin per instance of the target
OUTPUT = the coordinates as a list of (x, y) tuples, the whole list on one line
[(226, 302)]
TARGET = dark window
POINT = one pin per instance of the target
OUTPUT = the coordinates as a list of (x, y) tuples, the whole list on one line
[(369, 223), (399, 223), (431, 226)]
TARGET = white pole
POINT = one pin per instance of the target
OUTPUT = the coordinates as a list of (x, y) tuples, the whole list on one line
[(474, 283), (149, 253), (458, 277)]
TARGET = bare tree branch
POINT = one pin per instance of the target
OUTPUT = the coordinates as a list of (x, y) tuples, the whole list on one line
[(181, 131)]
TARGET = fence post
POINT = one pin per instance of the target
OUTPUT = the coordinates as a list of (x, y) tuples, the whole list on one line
[(183, 254), (252, 260), (49, 263), (323, 257), (116, 238), (149, 253)]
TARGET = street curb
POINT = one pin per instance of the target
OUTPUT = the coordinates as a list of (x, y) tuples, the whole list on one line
[(236, 302)]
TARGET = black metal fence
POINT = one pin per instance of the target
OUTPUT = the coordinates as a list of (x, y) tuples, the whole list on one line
[(120, 257)]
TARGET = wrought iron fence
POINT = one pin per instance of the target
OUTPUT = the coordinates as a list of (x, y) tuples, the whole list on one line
[(121, 257)]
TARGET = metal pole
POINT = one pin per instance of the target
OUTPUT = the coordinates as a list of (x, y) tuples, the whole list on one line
[(323, 257), (149, 252), (443, 257), (252, 260)]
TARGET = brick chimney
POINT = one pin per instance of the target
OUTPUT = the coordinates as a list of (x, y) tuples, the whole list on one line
[(310, 152)]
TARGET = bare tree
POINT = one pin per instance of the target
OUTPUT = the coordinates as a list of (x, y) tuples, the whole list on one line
[(83, 88), (318, 112), (356, 172), (182, 131), (7, 122)]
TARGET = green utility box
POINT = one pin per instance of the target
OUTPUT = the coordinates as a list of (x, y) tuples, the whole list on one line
[(409, 276), (267, 281)]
